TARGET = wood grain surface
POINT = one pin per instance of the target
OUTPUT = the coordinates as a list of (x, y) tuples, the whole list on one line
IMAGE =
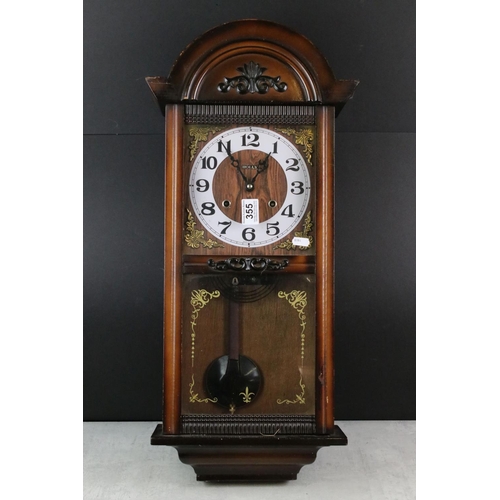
[(270, 334)]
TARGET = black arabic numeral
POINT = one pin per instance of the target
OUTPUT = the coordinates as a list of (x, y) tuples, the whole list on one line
[(294, 164), (210, 162), (288, 212), (252, 138), (273, 228), (208, 208), (248, 234), (298, 187), (227, 224), (202, 185)]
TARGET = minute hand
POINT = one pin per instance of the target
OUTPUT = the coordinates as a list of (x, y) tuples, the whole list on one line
[(261, 166)]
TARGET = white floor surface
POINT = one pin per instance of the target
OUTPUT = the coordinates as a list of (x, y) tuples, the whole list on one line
[(377, 464)]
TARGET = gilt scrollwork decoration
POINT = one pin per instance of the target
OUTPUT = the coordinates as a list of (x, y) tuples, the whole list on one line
[(298, 300), (303, 137), (199, 299), (194, 398), (252, 80), (199, 134), (299, 398), (195, 238), (307, 228)]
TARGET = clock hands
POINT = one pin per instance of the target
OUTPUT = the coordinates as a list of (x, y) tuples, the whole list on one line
[(261, 167)]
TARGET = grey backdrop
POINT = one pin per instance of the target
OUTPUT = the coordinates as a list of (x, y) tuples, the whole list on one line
[(127, 40)]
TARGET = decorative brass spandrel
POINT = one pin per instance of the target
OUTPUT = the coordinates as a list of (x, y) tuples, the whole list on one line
[(304, 137), (298, 300), (195, 238), (199, 133), (307, 227)]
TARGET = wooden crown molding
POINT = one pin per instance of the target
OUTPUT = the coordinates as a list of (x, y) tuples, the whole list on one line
[(251, 61)]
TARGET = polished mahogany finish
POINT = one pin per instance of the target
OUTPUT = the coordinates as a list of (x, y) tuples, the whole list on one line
[(254, 323), (248, 458), (217, 54)]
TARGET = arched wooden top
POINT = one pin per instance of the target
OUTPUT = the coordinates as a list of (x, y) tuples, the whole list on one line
[(251, 61)]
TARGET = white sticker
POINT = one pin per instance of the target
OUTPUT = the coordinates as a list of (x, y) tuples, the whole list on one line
[(300, 242), (250, 211)]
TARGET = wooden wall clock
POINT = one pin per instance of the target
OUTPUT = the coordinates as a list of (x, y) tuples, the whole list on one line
[(250, 108)]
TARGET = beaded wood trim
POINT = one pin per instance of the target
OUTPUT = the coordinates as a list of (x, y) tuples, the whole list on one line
[(245, 114), (248, 424)]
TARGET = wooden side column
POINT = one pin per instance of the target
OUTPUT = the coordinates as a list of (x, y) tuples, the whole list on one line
[(173, 262), (325, 269)]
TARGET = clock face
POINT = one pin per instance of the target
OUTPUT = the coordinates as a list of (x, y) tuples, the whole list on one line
[(249, 186)]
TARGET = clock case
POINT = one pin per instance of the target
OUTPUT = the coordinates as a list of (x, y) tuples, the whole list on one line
[(249, 72)]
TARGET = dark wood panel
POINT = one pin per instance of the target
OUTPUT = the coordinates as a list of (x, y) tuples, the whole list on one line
[(277, 333)]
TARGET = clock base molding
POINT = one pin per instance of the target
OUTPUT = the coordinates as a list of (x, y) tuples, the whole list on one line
[(248, 424), (245, 457)]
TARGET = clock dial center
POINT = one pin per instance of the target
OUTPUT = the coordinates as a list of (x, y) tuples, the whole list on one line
[(229, 188)]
